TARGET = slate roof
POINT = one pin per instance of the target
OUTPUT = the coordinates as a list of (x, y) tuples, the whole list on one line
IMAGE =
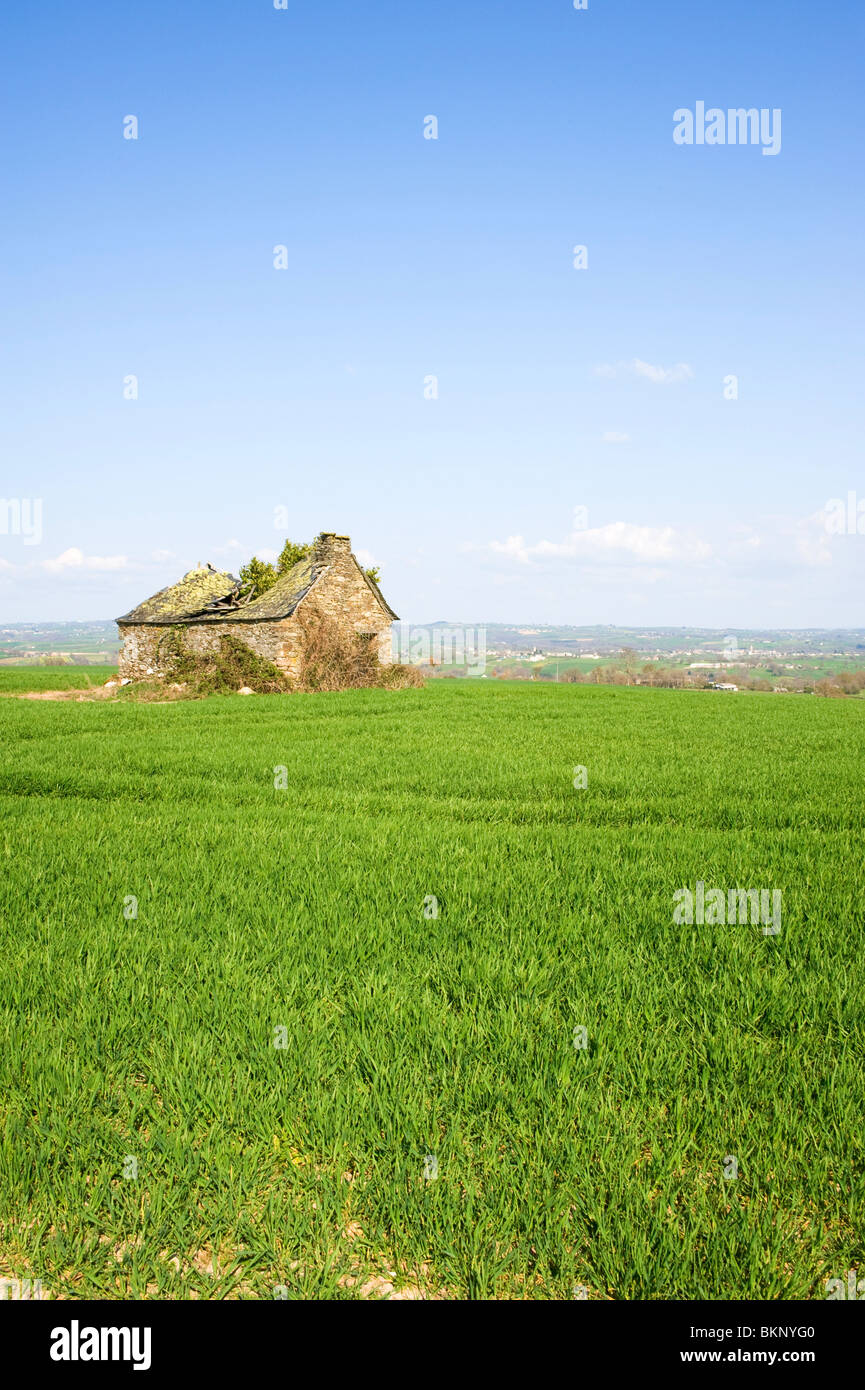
[(196, 593), (282, 599), (208, 595)]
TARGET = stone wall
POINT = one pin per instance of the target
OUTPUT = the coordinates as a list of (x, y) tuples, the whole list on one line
[(343, 597), (276, 642), (138, 649)]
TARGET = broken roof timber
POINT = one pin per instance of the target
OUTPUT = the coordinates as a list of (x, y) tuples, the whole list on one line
[(190, 596), (205, 595)]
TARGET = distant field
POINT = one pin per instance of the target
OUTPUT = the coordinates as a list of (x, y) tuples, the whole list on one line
[(277, 1072), (80, 659), (17, 678)]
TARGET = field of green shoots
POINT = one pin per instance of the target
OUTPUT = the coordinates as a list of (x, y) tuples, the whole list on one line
[(16, 679), (292, 987)]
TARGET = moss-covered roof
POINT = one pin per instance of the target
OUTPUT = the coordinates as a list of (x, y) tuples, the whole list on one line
[(208, 595), (195, 593), (282, 599)]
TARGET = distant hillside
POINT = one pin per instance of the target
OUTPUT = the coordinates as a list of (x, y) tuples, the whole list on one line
[(59, 644), (518, 638), (83, 644)]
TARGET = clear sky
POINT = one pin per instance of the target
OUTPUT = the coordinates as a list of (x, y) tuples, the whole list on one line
[(408, 258)]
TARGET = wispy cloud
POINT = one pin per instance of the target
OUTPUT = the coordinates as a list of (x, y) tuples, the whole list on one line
[(766, 549), (659, 376), (810, 538), (615, 437), (663, 376), (75, 559), (618, 541)]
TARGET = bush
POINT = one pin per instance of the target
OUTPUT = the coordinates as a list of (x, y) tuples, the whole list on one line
[(331, 659), (221, 671)]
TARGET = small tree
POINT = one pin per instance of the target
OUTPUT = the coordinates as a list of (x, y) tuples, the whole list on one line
[(629, 661), (259, 575), (290, 554), (256, 578)]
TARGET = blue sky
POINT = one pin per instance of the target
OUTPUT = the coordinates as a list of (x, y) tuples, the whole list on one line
[(558, 388)]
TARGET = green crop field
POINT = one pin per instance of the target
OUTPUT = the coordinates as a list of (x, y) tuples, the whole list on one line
[(324, 995), (15, 679)]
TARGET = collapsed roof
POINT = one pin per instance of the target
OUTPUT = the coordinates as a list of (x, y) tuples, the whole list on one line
[(196, 593), (208, 595)]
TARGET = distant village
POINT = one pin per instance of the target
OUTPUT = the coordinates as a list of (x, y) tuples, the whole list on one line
[(782, 661)]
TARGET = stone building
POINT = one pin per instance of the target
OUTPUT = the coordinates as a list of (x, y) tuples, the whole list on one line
[(206, 603)]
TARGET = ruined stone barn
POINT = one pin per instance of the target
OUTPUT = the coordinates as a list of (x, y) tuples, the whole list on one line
[(329, 586)]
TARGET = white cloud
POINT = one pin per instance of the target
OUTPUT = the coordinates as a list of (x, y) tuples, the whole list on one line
[(365, 558), (160, 556), (771, 549), (810, 537), (663, 376), (615, 437), (617, 541), (660, 376), (69, 559), (75, 559)]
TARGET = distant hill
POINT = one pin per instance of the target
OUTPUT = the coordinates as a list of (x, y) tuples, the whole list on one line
[(97, 643), (59, 644), (666, 641)]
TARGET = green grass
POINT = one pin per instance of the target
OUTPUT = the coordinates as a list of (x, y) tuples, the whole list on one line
[(15, 679), (152, 1038)]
